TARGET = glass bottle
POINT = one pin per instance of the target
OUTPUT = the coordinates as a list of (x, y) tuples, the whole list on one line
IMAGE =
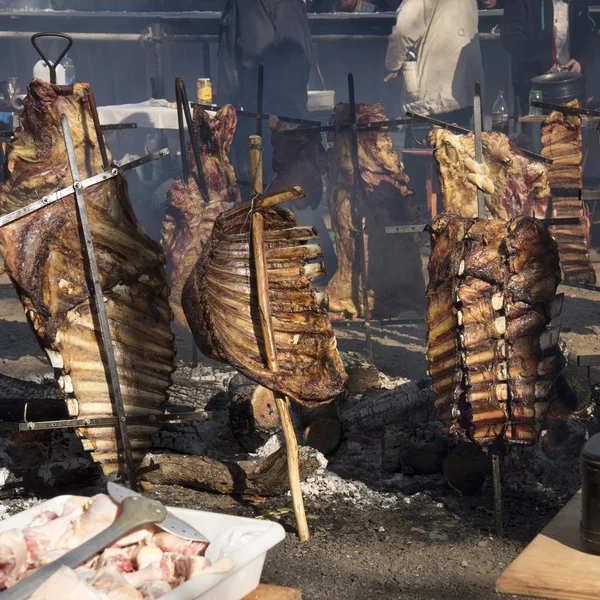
[(500, 114)]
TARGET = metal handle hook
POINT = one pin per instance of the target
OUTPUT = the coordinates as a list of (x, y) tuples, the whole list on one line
[(51, 66), (412, 135)]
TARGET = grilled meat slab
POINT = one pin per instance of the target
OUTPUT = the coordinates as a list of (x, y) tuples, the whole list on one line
[(393, 286), (520, 185), (562, 142), (298, 159), (220, 303), (189, 219), (44, 258), (491, 356)]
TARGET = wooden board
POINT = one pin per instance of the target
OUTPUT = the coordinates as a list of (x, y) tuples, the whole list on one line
[(554, 565), (274, 592)]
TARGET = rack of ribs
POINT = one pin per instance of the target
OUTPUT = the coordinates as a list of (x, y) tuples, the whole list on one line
[(562, 142), (520, 185), (44, 259), (298, 159), (219, 301), (492, 353), (393, 287), (189, 219)]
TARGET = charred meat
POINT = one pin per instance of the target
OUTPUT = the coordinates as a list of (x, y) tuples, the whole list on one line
[(220, 303), (44, 258), (298, 159), (386, 202), (492, 355), (520, 186), (562, 142), (189, 218)]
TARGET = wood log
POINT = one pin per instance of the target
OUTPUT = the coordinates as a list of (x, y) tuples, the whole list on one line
[(262, 477), (389, 406), (253, 413), (20, 400), (325, 435)]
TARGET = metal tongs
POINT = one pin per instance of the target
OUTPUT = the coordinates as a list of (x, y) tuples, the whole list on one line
[(52, 66)]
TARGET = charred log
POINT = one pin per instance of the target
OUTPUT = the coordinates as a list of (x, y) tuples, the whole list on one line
[(253, 413), (262, 477)]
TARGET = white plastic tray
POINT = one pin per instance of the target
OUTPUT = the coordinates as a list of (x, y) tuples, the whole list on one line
[(234, 585)]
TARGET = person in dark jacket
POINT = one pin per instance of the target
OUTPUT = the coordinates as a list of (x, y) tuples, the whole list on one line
[(274, 33), (540, 35)]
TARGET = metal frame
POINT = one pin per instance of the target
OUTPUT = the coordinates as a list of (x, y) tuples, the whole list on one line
[(113, 421)]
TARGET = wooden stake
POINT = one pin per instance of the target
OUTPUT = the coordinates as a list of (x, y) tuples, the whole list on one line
[(264, 306)]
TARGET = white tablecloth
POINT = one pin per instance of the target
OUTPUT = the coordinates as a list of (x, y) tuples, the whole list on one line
[(144, 114)]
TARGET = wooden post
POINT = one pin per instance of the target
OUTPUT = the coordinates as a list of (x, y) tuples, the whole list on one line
[(262, 284)]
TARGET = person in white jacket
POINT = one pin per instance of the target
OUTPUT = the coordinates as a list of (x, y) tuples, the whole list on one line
[(434, 47)]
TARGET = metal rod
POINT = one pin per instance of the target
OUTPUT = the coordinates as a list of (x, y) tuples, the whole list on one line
[(497, 494), (184, 157), (359, 198), (421, 227), (112, 376), (203, 187), (464, 131), (567, 110), (253, 115), (98, 128), (8, 133), (478, 123), (158, 59), (91, 422), (373, 126), (194, 353), (260, 98), (86, 183)]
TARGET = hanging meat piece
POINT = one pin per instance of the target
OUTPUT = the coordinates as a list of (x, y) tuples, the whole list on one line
[(189, 219), (220, 303), (298, 159), (393, 285), (492, 355), (44, 258), (520, 185), (562, 142)]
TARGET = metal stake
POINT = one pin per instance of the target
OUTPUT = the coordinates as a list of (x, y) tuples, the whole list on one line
[(98, 128), (497, 494), (260, 97), (190, 125), (184, 162), (96, 291), (478, 123), (359, 198)]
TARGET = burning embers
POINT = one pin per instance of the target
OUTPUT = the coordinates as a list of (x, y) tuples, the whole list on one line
[(492, 354)]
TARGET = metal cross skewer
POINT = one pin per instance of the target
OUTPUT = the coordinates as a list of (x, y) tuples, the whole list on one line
[(86, 183), (464, 131), (360, 228), (97, 293), (478, 123)]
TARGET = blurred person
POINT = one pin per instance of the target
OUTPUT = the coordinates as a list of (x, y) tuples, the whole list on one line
[(543, 36), (274, 33), (434, 47)]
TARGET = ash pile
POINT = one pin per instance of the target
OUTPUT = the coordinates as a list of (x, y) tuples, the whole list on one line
[(376, 447)]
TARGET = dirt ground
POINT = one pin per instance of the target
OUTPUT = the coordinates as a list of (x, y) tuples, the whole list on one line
[(432, 544)]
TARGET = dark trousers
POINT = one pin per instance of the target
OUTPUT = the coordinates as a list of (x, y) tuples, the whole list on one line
[(415, 165)]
